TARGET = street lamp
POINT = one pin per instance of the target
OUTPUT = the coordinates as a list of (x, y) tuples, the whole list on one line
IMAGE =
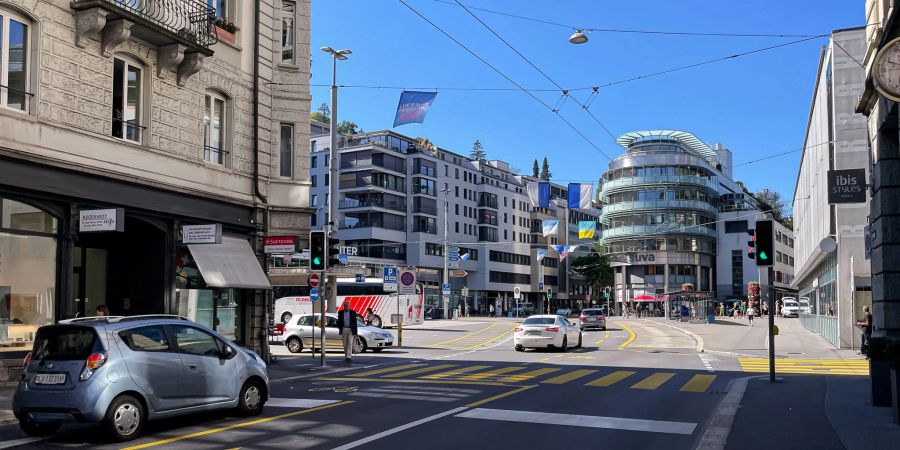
[(579, 37)]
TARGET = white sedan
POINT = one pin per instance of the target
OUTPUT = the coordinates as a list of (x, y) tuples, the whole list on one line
[(547, 331), (300, 330)]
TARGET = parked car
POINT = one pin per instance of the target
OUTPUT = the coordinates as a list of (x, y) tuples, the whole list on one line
[(789, 307), (120, 372), (299, 333), (592, 318), (547, 331), (805, 306)]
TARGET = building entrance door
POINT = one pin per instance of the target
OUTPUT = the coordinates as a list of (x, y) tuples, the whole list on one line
[(89, 273)]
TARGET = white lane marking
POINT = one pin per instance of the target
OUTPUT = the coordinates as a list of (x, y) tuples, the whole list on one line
[(325, 372), (428, 398), (429, 388), (707, 362), (23, 441), (720, 424), (478, 349), (298, 402), (395, 430), (577, 420), (414, 392)]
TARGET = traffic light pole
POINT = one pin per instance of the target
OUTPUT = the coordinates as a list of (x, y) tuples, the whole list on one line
[(770, 290)]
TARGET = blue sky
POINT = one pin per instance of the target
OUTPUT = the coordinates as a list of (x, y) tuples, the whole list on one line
[(757, 105)]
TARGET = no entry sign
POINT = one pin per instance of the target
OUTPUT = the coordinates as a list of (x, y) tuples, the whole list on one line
[(313, 280)]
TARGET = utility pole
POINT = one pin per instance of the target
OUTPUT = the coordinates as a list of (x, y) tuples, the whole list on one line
[(446, 278)]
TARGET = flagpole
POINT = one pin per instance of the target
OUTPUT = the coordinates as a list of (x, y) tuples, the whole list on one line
[(566, 244)]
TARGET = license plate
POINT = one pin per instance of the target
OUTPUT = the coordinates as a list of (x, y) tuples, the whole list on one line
[(591, 319), (50, 378), (533, 332)]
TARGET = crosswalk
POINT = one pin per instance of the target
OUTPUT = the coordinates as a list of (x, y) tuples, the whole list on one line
[(639, 379), (491, 334), (807, 366)]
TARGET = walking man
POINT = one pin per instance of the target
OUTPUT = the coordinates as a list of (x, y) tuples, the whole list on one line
[(347, 329), (865, 325)]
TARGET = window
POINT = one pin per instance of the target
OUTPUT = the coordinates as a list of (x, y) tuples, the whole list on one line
[(313, 160), (314, 200), (13, 61), (146, 339), (326, 179), (214, 129), (457, 227), (314, 220), (194, 341), (314, 180), (287, 32), (221, 7), (424, 225), (434, 249), (126, 107), (287, 150)]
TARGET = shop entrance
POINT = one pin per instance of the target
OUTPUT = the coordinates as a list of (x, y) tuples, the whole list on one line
[(124, 271)]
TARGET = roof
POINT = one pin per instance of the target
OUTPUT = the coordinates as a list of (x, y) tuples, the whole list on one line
[(691, 142)]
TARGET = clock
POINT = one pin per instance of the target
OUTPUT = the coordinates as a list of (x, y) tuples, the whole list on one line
[(887, 70)]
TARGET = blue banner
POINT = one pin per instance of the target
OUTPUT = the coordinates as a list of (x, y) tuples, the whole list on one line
[(413, 107)]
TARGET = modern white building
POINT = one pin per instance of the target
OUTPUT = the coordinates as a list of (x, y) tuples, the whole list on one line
[(831, 267)]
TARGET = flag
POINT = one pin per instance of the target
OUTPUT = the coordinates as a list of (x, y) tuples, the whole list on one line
[(541, 253), (564, 248), (586, 229), (551, 226), (464, 257), (580, 195), (539, 194), (563, 255), (413, 106)]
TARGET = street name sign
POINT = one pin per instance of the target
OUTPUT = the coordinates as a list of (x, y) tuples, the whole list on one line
[(458, 273)]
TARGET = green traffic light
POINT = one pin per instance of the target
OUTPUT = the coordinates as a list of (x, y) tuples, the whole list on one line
[(317, 261), (762, 255)]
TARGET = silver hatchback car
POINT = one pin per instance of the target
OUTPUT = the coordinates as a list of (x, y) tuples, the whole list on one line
[(120, 372)]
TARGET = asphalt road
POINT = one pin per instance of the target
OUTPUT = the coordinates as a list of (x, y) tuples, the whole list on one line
[(461, 384)]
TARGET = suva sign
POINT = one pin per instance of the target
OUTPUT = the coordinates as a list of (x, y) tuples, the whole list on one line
[(641, 258)]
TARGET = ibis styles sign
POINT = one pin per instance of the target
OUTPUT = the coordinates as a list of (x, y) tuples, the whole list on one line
[(847, 186)]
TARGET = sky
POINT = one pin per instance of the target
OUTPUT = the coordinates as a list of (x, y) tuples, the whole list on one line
[(756, 105)]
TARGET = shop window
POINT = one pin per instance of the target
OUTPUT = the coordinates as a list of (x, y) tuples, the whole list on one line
[(27, 273), (214, 129), (127, 99), (14, 61)]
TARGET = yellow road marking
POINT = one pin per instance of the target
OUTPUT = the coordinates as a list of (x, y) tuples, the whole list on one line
[(565, 378), (415, 380), (528, 375), (611, 379), (698, 383), (653, 381), (490, 373), (807, 366), (454, 372), (631, 335), (464, 336), (418, 371), (497, 397), (237, 425), (605, 335), (386, 370), (491, 340)]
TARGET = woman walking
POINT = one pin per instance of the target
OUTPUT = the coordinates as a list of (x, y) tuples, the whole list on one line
[(751, 311)]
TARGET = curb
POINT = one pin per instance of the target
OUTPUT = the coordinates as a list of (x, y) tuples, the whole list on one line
[(719, 426), (696, 337)]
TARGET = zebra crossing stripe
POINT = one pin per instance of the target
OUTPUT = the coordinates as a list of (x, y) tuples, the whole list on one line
[(528, 375), (698, 383), (565, 378), (611, 379), (418, 371), (386, 370), (455, 372)]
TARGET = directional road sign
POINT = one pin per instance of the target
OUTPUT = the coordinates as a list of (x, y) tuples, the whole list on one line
[(453, 249), (314, 295), (344, 259), (313, 280), (453, 264), (458, 273)]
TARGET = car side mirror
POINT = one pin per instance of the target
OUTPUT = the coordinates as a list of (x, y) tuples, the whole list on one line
[(227, 352)]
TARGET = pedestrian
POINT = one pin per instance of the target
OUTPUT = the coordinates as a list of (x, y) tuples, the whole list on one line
[(866, 326), (751, 311), (778, 308), (347, 328), (492, 310), (765, 309), (101, 311), (369, 317), (722, 309)]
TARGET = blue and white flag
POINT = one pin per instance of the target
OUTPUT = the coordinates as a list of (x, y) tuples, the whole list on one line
[(413, 107), (564, 250), (464, 257), (541, 253), (539, 194), (550, 226), (580, 195)]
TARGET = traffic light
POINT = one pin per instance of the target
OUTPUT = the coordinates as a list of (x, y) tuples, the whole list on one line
[(751, 244), (317, 251), (334, 252), (765, 247), (549, 292)]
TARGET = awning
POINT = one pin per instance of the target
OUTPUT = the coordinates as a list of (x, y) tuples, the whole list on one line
[(231, 264)]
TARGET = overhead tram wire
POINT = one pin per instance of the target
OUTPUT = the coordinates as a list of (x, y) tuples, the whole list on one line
[(495, 69)]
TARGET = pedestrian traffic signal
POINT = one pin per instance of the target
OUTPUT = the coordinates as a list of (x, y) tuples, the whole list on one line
[(549, 293), (765, 245), (334, 252), (317, 251), (751, 244)]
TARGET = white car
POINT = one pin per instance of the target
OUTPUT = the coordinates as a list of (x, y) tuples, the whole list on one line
[(547, 331), (790, 307), (300, 330), (805, 307)]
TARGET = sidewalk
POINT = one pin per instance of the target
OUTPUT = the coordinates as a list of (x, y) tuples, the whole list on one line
[(811, 411)]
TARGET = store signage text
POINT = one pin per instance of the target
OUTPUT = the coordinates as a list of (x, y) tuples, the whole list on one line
[(280, 244), (641, 258), (202, 234), (101, 220), (847, 186), (349, 251)]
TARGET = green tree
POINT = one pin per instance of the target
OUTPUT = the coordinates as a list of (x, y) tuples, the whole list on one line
[(771, 201), (323, 114), (535, 170), (595, 269), (478, 153), (598, 196), (347, 127), (545, 170)]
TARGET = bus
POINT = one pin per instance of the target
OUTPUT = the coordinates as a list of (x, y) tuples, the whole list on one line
[(293, 300)]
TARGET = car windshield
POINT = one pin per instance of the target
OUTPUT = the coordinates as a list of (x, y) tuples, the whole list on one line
[(539, 321), (592, 312), (790, 303), (62, 342)]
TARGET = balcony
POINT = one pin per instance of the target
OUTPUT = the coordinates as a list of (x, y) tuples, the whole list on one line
[(655, 230), (654, 180), (182, 30), (657, 204), (371, 203)]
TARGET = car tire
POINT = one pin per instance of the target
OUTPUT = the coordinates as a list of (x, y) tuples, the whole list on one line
[(603, 328), (519, 348), (252, 398), (359, 345), (579, 341), (124, 418), (376, 321), (38, 429), (294, 345), (565, 345)]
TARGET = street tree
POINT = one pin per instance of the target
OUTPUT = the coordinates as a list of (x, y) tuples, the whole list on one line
[(347, 127), (478, 153), (535, 170), (323, 114), (595, 268), (545, 170), (772, 201)]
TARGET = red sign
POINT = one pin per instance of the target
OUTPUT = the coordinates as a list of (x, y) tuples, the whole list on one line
[(313, 280), (280, 244)]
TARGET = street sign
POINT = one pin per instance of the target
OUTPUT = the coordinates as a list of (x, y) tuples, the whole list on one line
[(445, 289), (407, 282), (314, 295), (390, 279), (452, 249), (453, 264), (458, 273), (343, 258), (541, 286), (360, 278), (452, 258), (517, 293), (314, 280)]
